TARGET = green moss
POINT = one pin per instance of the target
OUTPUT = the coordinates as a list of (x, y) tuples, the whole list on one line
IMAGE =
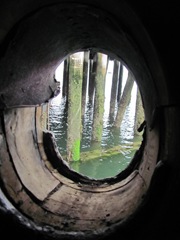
[(99, 101), (98, 133), (74, 111), (94, 154), (99, 153), (76, 150)]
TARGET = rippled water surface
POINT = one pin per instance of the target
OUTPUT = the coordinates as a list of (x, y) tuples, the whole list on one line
[(98, 160)]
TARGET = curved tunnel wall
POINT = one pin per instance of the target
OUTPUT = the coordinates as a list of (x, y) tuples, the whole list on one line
[(28, 179)]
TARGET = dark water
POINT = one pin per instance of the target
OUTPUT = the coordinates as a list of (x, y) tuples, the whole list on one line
[(113, 154)]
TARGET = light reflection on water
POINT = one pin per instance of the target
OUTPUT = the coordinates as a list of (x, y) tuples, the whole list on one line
[(122, 139), (102, 166)]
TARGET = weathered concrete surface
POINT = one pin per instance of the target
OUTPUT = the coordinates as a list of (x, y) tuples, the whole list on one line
[(27, 70), (25, 153), (33, 43), (67, 200)]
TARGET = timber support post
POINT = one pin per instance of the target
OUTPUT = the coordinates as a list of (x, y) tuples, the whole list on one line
[(74, 108), (99, 97)]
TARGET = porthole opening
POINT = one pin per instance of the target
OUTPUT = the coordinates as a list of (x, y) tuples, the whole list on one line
[(56, 199), (97, 116)]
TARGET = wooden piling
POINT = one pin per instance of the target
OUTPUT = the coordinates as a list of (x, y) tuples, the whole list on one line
[(124, 101), (114, 88), (65, 77), (74, 108), (85, 79), (99, 97), (120, 77), (92, 75)]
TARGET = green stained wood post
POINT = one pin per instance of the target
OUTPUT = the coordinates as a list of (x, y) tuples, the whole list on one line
[(99, 97), (74, 107)]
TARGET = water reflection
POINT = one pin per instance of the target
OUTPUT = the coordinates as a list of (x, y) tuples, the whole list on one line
[(112, 155), (98, 159), (104, 167)]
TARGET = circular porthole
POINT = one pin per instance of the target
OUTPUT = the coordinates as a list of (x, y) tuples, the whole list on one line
[(98, 123), (46, 194)]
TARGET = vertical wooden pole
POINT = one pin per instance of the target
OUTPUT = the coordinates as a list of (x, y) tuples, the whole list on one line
[(92, 76), (124, 101), (85, 80), (65, 77), (120, 81), (74, 108), (114, 88), (99, 97)]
